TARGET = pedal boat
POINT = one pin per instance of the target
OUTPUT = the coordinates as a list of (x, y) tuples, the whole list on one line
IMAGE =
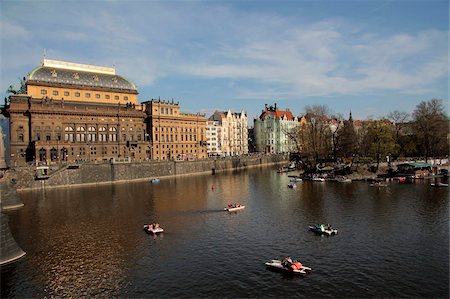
[(152, 230), (233, 208), (317, 229), (295, 267)]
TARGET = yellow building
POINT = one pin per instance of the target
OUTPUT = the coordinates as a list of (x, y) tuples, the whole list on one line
[(71, 112), (174, 134)]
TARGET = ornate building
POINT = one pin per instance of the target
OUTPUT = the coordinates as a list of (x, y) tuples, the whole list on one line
[(174, 134), (70, 112), (276, 131), (231, 137)]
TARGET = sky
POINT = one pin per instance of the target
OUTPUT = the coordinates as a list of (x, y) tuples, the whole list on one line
[(367, 57)]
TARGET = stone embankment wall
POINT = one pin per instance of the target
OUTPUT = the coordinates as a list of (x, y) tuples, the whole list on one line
[(102, 173)]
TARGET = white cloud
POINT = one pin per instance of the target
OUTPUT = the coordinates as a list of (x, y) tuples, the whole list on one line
[(260, 55)]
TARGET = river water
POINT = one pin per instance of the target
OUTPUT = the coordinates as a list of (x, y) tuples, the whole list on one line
[(392, 241)]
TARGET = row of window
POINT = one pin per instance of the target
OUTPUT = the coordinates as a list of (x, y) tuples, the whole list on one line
[(83, 137), (162, 129), (166, 111), (54, 155), (90, 128), (176, 146), (176, 152), (165, 138), (86, 95)]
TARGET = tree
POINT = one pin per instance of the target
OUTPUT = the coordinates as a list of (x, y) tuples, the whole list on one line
[(431, 128), (400, 121), (380, 138), (316, 135)]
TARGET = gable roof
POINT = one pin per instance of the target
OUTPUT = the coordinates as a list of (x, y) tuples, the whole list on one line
[(277, 114)]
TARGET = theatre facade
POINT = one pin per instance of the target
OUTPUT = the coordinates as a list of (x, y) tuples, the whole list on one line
[(68, 112)]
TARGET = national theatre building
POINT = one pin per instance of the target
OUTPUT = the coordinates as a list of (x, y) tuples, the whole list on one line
[(76, 112)]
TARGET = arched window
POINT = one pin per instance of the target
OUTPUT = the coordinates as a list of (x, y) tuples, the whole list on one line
[(81, 134), (102, 134), (92, 134), (54, 154), (68, 135), (113, 134), (42, 154)]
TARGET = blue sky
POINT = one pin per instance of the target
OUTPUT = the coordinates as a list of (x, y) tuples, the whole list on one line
[(370, 57)]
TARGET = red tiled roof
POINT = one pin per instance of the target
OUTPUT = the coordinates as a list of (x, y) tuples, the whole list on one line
[(278, 114)]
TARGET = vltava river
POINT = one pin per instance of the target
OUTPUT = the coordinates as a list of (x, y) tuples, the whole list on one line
[(392, 241)]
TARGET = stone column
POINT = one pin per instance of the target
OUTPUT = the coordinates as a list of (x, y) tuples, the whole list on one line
[(2, 150), (9, 250)]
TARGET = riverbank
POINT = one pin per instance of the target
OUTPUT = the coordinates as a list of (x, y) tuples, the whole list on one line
[(88, 174)]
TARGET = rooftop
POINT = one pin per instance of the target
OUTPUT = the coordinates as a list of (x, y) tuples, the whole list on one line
[(54, 72)]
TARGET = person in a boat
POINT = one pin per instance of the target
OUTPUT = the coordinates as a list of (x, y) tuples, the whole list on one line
[(156, 225), (287, 261)]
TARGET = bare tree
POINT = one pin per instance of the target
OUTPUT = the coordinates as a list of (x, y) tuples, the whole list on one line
[(317, 132), (431, 127)]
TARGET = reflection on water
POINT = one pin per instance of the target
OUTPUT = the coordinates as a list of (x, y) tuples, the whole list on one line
[(392, 242)]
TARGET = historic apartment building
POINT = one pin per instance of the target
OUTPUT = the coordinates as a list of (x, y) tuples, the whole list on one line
[(213, 138), (228, 133), (275, 131), (174, 134), (71, 112)]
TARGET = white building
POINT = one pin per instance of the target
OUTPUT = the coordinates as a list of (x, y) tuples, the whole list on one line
[(227, 134), (276, 131), (213, 140)]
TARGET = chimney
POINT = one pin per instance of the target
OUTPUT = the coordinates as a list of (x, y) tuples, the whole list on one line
[(275, 106)]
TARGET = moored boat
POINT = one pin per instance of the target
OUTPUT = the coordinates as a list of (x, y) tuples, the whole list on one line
[(321, 229), (153, 229), (318, 179), (157, 180), (235, 207), (287, 265), (439, 185), (343, 180), (295, 180)]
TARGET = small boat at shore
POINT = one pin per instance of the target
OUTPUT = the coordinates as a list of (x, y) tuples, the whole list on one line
[(321, 229), (157, 180), (296, 180), (439, 185), (235, 207), (318, 179), (292, 185), (343, 180), (153, 229), (378, 184), (287, 265)]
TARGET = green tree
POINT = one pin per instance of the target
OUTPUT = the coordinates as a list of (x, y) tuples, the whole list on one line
[(381, 139)]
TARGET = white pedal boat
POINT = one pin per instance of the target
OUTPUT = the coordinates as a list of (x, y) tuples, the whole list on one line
[(153, 230), (233, 208), (295, 268)]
